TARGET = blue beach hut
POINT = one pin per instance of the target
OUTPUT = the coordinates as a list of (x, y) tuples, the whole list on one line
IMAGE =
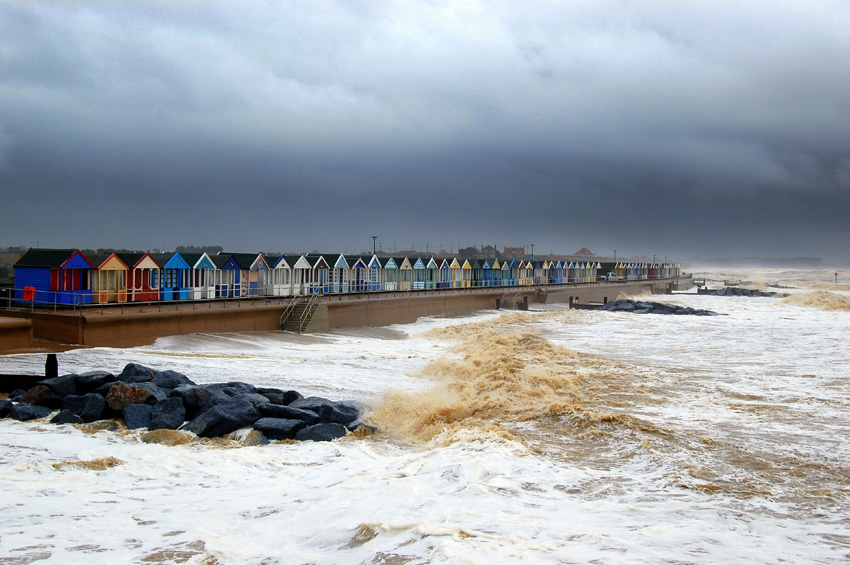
[(174, 277), (53, 276)]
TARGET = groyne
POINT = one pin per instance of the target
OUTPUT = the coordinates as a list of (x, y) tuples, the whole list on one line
[(139, 325)]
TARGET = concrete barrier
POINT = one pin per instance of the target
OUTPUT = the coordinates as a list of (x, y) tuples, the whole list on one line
[(127, 328), (15, 335)]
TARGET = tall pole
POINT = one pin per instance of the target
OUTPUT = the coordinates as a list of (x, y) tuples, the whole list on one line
[(532, 252), (615, 255), (374, 239)]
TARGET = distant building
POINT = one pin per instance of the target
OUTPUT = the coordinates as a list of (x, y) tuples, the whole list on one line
[(584, 252), (488, 252), (514, 252)]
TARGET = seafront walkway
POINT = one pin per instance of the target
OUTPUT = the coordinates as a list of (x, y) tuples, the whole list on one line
[(139, 323)]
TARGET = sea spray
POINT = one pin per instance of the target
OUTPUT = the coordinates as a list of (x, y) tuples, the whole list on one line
[(501, 376), (821, 299)]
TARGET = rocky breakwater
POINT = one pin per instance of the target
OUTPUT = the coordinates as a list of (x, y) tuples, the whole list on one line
[(642, 307), (738, 291), (157, 400)]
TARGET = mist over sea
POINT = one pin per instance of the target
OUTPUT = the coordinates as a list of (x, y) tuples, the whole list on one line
[(555, 435)]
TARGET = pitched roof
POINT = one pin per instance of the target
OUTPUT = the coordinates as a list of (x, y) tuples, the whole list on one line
[(48, 257), (244, 260), (130, 259)]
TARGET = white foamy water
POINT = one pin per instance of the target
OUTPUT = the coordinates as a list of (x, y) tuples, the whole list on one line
[(686, 439)]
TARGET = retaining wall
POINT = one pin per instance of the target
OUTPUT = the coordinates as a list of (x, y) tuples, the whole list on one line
[(121, 329), (15, 335)]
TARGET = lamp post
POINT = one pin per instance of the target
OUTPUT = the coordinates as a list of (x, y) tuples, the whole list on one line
[(374, 239), (532, 252), (615, 256)]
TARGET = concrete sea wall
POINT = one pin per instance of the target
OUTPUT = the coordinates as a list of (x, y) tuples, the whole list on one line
[(115, 328)]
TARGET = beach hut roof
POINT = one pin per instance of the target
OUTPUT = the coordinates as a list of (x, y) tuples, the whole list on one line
[(244, 260), (111, 259), (220, 260), (50, 258)]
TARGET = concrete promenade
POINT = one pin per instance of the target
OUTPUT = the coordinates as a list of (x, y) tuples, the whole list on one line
[(127, 325)]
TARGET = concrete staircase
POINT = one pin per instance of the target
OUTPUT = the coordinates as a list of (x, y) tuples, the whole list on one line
[(297, 316)]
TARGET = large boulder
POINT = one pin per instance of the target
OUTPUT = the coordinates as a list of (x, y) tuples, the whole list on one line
[(42, 395), (5, 408), (157, 393), (135, 373), (274, 395), (224, 418), (91, 381), (89, 407), (62, 386), (278, 428), (122, 394), (196, 399), (329, 411), (288, 413), (137, 416), (23, 412), (167, 414), (321, 432), (66, 417), (171, 380)]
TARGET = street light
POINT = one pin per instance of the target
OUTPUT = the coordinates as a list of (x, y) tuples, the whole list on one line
[(615, 255), (532, 252), (374, 239)]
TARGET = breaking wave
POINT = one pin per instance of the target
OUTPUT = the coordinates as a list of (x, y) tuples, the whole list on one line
[(821, 299), (504, 374)]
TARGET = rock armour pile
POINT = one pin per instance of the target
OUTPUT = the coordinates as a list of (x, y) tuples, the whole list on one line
[(168, 400)]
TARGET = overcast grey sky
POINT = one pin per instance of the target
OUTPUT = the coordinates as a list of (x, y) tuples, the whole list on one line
[(682, 128)]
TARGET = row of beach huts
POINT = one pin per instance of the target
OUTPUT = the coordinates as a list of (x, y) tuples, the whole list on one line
[(67, 276)]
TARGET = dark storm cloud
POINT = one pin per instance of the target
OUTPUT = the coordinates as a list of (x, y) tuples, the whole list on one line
[(711, 129)]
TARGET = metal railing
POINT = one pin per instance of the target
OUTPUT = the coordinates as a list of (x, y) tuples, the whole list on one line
[(77, 302), (307, 314), (288, 311)]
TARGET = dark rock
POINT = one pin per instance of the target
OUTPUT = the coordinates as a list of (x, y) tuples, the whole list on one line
[(89, 407), (5, 408), (288, 413), (135, 373), (157, 393), (278, 428), (23, 411), (346, 412), (167, 414), (66, 417), (625, 305), (275, 396), (137, 416), (641, 311), (91, 381), (224, 418), (171, 380), (62, 386), (122, 394), (231, 389), (42, 395), (321, 432), (196, 399), (328, 410), (16, 394), (321, 406), (103, 389), (291, 396)]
